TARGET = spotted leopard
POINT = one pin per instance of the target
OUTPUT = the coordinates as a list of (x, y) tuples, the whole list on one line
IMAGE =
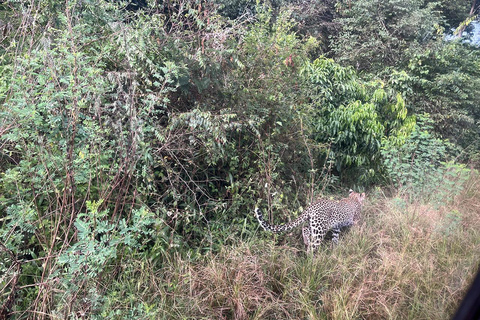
[(322, 216)]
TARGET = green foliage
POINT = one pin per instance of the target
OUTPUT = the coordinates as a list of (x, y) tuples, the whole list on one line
[(443, 81), (135, 140), (375, 34), (99, 244), (74, 133), (354, 115), (19, 251), (235, 8), (454, 12), (403, 41), (419, 167)]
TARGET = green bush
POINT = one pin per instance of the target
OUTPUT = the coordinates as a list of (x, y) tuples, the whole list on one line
[(354, 116), (442, 81), (421, 167)]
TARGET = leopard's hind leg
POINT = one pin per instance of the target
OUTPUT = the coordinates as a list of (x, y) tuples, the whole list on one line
[(306, 235), (316, 237)]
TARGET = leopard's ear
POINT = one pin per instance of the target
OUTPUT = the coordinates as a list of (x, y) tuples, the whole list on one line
[(350, 191)]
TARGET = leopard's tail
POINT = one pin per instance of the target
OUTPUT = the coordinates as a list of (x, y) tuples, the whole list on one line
[(282, 227)]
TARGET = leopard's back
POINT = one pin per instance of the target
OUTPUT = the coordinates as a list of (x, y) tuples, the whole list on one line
[(322, 216), (326, 215)]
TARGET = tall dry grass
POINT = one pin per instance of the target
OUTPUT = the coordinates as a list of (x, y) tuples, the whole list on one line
[(403, 261)]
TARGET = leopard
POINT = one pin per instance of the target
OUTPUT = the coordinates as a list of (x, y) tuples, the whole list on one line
[(322, 216)]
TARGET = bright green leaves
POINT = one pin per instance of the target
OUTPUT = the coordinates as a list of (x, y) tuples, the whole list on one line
[(354, 115), (331, 84), (54, 95), (99, 243), (404, 42), (357, 130), (181, 120)]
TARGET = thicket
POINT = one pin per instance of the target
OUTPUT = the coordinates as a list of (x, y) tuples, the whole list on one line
[(404, 43), (144, 133)]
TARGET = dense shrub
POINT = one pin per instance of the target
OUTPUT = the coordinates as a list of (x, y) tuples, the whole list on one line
[(354, 116), (422, 167)]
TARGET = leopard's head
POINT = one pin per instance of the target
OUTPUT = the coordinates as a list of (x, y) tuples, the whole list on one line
[(359, 197)]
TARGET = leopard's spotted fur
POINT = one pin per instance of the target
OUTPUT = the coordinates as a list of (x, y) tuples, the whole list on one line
[(322, 216)]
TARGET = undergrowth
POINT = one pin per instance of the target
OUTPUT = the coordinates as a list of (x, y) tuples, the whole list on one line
[(403, 261)]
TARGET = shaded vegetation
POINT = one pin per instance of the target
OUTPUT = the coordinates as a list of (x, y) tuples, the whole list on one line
[(137, 137)]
